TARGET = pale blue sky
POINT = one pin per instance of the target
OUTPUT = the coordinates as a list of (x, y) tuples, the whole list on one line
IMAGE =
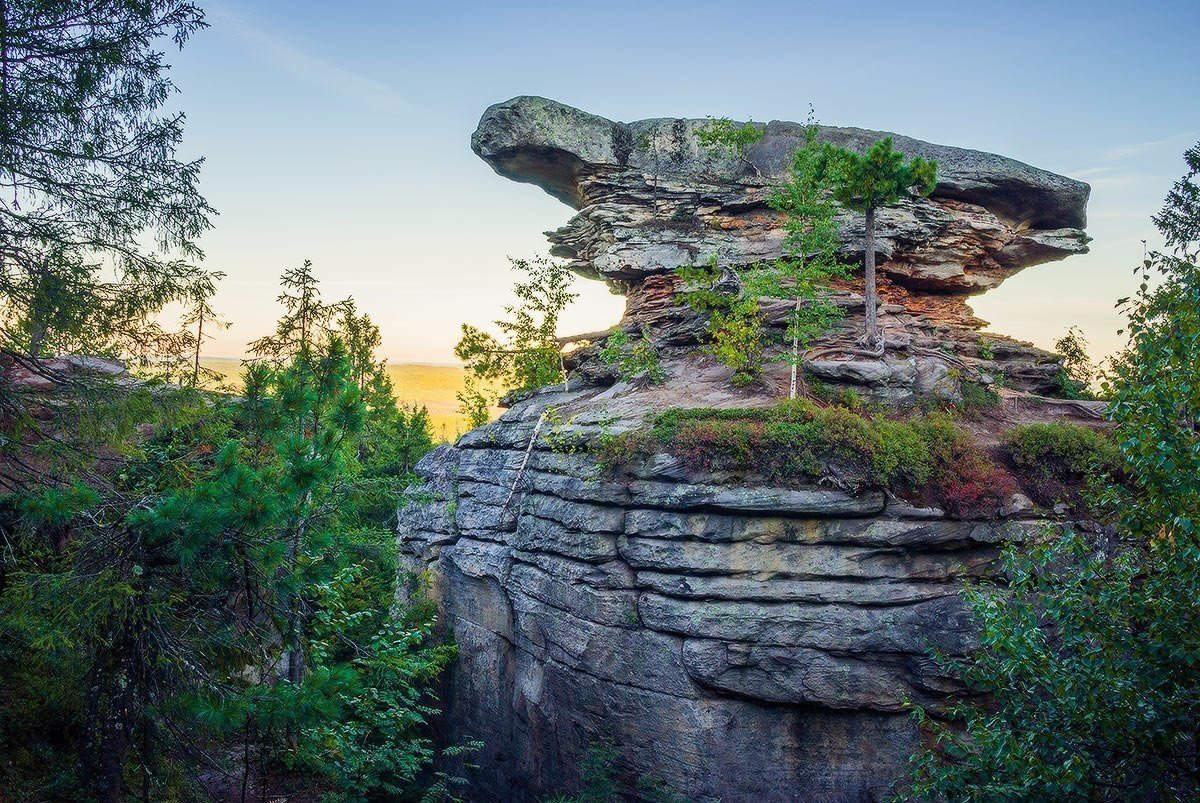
[(339, 132)]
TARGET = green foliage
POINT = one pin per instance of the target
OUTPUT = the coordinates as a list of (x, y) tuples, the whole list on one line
[(810, 250), (867, 181), (99, 224), (528, 354), (725, 133), (734, 323), (225, 589), (473, 403), (1059, 461), (1088, 659), (976, 397), (737, 339), (928, 458), (373, 740), (801, 276), (597, 774), (1078, 371), (879, 177), (638, 360), (1087, 701)]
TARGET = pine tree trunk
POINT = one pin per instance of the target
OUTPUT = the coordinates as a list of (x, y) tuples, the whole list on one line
[(196, 362), (872, 292), (113, 738)]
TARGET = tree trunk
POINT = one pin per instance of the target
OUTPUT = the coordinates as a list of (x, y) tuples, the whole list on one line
[(795, 350), (196, 361), (872, 292), (112, 745), (37, 333)]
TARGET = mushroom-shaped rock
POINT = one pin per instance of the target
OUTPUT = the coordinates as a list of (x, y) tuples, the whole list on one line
[(651, 196)]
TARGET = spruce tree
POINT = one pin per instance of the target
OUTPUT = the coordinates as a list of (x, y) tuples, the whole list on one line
[(98, 215)]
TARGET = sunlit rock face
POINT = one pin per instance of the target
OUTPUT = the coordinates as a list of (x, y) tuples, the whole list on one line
[(733, 642)]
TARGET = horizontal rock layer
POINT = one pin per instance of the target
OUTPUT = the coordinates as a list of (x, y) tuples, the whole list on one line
[(650, 198), (735, 643)]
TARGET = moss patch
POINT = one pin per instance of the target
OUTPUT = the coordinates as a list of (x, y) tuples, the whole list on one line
[(926, 458)]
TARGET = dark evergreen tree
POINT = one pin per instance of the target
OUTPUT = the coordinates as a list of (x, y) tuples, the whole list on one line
[(867, 181), (89, 175), (227, 590)]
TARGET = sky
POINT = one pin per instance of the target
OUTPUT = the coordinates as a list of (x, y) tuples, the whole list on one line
[(340, 132)]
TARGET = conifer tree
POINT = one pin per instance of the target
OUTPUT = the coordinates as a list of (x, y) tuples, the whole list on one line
[(89, 173), (867, 181), (229, 584), (810, 250), (800, 276)]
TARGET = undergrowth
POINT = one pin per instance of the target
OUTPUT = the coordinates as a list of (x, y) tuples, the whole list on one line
[(1063, 463), (927, 457)]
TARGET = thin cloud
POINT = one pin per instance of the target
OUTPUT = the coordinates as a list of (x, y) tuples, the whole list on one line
[(308, 68), (1089, 171), (1124, 151)]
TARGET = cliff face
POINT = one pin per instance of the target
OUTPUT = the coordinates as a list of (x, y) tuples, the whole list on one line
[(733, 642)]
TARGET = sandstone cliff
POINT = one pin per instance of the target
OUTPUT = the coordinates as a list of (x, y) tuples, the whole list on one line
[(733, 641)]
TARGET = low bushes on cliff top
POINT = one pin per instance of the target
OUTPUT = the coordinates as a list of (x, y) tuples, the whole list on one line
[(1060, 462), (929, 458)]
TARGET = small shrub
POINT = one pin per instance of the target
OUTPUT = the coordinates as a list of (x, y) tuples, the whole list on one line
[(904, 458), (1078, 370), (1062, 462), (976, 397), (633, 360), (596, 776), (963, 480)]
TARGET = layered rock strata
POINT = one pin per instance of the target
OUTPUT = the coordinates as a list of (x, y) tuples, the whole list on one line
[(732, 642), (650, 197)]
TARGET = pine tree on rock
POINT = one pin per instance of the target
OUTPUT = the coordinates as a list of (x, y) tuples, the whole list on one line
[(867, 181)]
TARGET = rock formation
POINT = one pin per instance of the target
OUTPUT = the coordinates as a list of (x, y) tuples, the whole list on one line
[(732, 642)]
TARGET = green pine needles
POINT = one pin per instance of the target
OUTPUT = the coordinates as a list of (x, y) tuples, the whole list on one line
[(801, 275), (226, 589), (865, 182), (810, 248)]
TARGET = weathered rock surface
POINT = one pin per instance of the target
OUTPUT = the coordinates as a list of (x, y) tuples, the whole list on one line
[(734, 642), (650, 198)]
